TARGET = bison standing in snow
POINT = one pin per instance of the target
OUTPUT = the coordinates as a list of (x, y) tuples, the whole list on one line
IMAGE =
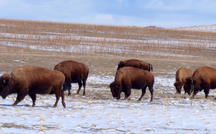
[(130, 77), (204, 78), (32, 80), (135, 63), (181, 75), (74, 72)]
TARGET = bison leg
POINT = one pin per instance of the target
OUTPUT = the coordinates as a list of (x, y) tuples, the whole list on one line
[(206, 92), (69, 88), (57, 94), (151, 91), (62, 97), (33, 97), (194, 93), (143, 93), (80, 86), (20, 97), (84, 85), (127, 93)]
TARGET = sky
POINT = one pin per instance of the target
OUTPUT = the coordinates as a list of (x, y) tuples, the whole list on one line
[(163, 13)]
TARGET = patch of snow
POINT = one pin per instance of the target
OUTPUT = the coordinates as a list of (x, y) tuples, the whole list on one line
[(97, 79), (20, 61), (1, 73), (163, 81)]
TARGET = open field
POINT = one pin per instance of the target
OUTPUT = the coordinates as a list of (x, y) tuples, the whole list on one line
[(101, 48)]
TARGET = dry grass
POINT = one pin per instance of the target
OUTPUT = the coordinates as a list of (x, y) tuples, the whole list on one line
[(88, 39)]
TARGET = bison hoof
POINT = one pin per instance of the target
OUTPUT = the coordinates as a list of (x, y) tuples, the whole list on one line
[(54, 105), (64, 105)]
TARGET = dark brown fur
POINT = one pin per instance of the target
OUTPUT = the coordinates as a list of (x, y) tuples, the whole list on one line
[(32, 80), (74, 72), (204, 78), (181, 75), (135, 63), (130, 77)]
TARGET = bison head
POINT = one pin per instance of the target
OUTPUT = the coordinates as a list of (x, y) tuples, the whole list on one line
[(5, 85), (115, 87), (178, 85), (189, 85)]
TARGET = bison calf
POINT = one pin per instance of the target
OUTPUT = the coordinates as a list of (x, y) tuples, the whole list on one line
[(204, 78), (32, 80), (181, 75), (129, 77), (74, 72), (135, 63)]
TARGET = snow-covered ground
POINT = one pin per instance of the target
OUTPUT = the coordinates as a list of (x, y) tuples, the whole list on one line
[(107, 116), (88, 115)]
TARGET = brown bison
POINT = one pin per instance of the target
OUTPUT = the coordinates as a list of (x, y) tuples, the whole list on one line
[(181, 75), (74, 72), (135, 63), (32, 80), (204, 78), (129, 77)]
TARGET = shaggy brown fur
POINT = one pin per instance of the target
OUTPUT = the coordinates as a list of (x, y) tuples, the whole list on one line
[(32, 80), (135, 63), (181, 75), (74, 72), (204, 78), (130, 77)]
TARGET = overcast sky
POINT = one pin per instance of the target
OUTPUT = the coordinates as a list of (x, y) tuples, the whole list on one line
[(166, 13)]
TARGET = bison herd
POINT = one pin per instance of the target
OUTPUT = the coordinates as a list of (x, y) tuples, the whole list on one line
[(130, 74)]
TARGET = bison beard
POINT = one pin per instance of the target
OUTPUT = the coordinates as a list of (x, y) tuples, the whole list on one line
[(31, 80)]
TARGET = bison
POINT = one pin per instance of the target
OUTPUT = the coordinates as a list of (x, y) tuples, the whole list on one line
[(32, 80), (181, 75), (74, 72), (204, 78), (135, 63), (129, 77)]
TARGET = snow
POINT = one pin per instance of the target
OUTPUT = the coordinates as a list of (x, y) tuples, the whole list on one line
[(89, 115), (97, 79), (107, 116)]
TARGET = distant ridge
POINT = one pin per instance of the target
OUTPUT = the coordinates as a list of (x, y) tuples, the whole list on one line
[(202, 28)]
